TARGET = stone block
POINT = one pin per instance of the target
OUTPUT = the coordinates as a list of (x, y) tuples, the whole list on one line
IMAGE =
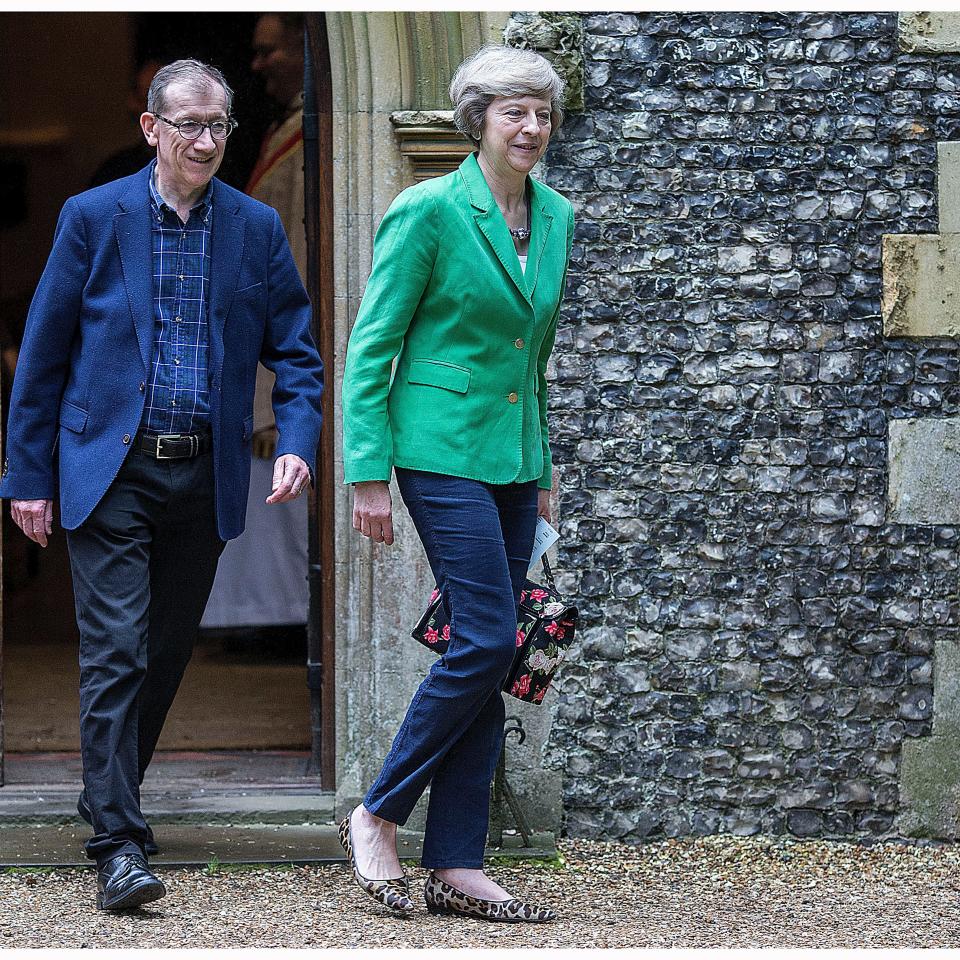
[(948, 186), (936, 31), (921, 285), (930, 767), (930, 788), (924, 461), (946, 689)]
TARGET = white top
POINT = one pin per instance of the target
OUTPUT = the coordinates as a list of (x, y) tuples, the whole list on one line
[(523, 263)]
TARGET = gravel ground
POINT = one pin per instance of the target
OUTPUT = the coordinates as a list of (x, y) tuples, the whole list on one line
[(712, 892)]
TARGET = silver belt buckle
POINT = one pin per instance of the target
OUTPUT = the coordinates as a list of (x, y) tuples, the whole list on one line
[(172, 436)]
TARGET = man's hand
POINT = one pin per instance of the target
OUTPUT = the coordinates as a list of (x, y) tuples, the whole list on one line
[(34, 518), (543, 505), (291, 476), (373, 510)]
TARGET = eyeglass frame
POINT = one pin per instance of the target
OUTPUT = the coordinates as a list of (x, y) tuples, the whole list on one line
[(229, 121)]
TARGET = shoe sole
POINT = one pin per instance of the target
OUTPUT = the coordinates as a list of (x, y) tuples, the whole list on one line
[(137, 897), (448, 912)]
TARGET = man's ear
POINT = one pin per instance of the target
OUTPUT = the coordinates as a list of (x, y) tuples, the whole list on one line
[(148, 124)]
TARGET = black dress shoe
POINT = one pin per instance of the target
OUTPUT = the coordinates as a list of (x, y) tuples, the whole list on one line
[(150, 848), (125, 883)]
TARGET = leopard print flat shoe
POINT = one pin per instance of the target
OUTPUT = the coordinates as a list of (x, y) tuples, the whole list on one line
[(394, 894), (442, 898)]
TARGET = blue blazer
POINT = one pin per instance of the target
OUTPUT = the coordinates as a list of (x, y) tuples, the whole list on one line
[(89, 345)]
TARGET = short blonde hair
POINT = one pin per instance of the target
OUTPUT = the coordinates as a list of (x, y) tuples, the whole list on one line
[(495, 71)]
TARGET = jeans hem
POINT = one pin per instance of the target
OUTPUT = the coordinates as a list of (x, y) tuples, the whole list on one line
[(126, 850), (456, 865), (377, 810)]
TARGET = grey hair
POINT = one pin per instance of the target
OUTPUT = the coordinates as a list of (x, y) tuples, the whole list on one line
[(496, 71), (197, 76)]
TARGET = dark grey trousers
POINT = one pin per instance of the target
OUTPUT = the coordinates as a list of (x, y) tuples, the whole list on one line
[(143, 565)]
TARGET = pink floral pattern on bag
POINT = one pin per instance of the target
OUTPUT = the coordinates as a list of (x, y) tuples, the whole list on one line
[(546, 627)]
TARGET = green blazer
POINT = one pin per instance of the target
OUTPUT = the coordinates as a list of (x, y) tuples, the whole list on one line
[(472, 332)]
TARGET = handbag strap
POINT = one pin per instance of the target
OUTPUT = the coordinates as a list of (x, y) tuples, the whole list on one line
[(548, 573)]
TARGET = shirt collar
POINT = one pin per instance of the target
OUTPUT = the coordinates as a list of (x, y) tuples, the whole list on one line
[(202, 206)]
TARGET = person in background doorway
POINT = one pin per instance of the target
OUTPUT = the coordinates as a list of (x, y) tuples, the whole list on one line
[(134, 388), (130, 159), (277, 177), (247, 593)]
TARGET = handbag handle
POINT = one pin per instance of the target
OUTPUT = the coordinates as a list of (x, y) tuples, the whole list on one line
[(548, 573)]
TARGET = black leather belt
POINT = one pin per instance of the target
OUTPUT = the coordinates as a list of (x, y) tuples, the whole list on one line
[(173, 446)]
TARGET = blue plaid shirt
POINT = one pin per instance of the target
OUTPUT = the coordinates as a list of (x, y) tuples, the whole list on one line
[(178, 392)]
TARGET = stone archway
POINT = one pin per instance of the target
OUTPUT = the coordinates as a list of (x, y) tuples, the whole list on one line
[(383, 63)]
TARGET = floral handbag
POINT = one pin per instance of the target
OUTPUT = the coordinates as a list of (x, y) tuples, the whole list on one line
[(545, 630)]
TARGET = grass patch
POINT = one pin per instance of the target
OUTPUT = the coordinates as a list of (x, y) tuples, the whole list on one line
[(215, 867)]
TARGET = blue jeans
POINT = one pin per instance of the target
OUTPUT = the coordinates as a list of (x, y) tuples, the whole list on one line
[(478, 538)]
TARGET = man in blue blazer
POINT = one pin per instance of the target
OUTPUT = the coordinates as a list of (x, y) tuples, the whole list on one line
[(135, 383)]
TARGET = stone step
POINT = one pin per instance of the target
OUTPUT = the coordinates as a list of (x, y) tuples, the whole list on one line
[(197, 844), (24, 805), (214, 787), (230, 807)]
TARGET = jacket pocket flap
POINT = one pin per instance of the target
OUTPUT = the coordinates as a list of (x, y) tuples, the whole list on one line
[(72, 417), (439, 373)]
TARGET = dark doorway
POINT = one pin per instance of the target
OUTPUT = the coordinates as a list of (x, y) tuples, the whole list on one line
[(63, 112)]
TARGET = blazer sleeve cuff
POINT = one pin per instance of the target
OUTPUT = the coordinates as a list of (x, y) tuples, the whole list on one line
[(16, 491), (546, 478), (361, 472)]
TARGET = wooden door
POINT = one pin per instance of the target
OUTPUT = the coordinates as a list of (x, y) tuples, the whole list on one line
[(318, 199)]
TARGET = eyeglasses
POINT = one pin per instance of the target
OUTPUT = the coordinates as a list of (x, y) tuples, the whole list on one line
[(193, 129)]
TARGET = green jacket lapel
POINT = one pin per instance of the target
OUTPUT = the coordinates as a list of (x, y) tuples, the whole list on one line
[(540, 223), (491, 223)]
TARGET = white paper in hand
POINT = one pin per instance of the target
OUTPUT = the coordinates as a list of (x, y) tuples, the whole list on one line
[(543, 539)]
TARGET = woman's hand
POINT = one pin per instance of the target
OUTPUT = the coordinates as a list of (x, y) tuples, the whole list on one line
[(543, 505), (373, 510)]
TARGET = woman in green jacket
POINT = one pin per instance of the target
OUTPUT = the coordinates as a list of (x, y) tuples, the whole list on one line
[(468, 275)]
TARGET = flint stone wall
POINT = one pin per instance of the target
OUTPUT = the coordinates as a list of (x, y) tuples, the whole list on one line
[(757, 634)]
